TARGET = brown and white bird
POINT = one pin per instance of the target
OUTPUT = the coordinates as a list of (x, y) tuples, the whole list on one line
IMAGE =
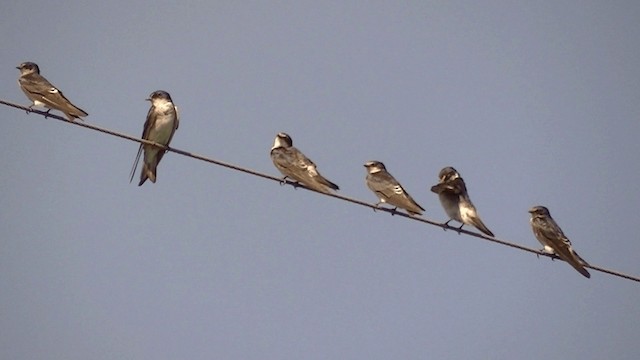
[(162, 122), (455, 200), (42, 93), (292, 163), (553, 239), (388, 189)]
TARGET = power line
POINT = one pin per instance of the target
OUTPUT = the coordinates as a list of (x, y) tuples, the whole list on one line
[(296, 185)]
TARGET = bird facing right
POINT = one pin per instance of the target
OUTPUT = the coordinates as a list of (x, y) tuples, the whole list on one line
[(42, 93), (388, 189), (553, 239)]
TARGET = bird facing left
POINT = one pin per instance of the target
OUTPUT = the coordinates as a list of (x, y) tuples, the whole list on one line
[(162, 122), (42, 93)]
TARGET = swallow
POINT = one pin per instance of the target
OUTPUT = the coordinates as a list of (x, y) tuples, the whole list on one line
[(388, 189), (42, 93), (455, 200), (162, 122), (553, 239), (292, 163)]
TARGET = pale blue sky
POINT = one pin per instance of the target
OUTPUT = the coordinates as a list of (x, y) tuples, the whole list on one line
[(534, 103)]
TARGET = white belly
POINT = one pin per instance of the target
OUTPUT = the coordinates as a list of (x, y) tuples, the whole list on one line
[(161, 132)]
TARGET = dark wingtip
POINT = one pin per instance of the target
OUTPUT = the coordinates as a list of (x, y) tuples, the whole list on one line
[(585, 273), (487, 232)]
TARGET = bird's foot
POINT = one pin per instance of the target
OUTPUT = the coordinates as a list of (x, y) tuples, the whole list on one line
[(544, 251), (446, 226)]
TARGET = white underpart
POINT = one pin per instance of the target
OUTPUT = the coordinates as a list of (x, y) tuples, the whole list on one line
[(161, 132), (467, 213)]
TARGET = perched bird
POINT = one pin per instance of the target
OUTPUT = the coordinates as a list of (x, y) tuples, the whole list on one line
[(293, 164), (455, 200), (388, 189), (162, 121), (42, 93), (553, 239)]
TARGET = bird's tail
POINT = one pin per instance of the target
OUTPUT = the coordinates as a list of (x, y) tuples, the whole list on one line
[(580, 269), (481, 226), (147, 173), (328, 183), (77, 112), (414, 208), (578, 263), (72, 117), (73, 112)]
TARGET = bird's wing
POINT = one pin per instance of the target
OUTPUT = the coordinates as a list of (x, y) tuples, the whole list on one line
[(148, 124)]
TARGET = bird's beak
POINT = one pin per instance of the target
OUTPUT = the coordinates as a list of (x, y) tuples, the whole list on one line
[(18, 67), (147, 99)]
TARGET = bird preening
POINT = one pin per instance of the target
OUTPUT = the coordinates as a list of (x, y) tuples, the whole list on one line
[(163, 120), (455, 200)]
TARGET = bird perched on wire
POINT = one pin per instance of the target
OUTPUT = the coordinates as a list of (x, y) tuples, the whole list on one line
[(553, 239), (162, 122), (42, 93), (388, 189), (455, 200), (292, 163)]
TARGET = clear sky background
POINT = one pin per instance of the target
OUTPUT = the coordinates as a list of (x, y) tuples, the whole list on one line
[(535, 103)]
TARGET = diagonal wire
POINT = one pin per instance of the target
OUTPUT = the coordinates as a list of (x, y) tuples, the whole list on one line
[(296, 185)]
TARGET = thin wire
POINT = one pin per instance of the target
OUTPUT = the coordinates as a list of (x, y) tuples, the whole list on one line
[(297, 185)]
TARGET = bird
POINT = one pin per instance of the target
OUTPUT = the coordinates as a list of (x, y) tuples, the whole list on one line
[(292, 163), (388, 189), (162, 122), (553, 239), (455, 200), (42, 93)]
